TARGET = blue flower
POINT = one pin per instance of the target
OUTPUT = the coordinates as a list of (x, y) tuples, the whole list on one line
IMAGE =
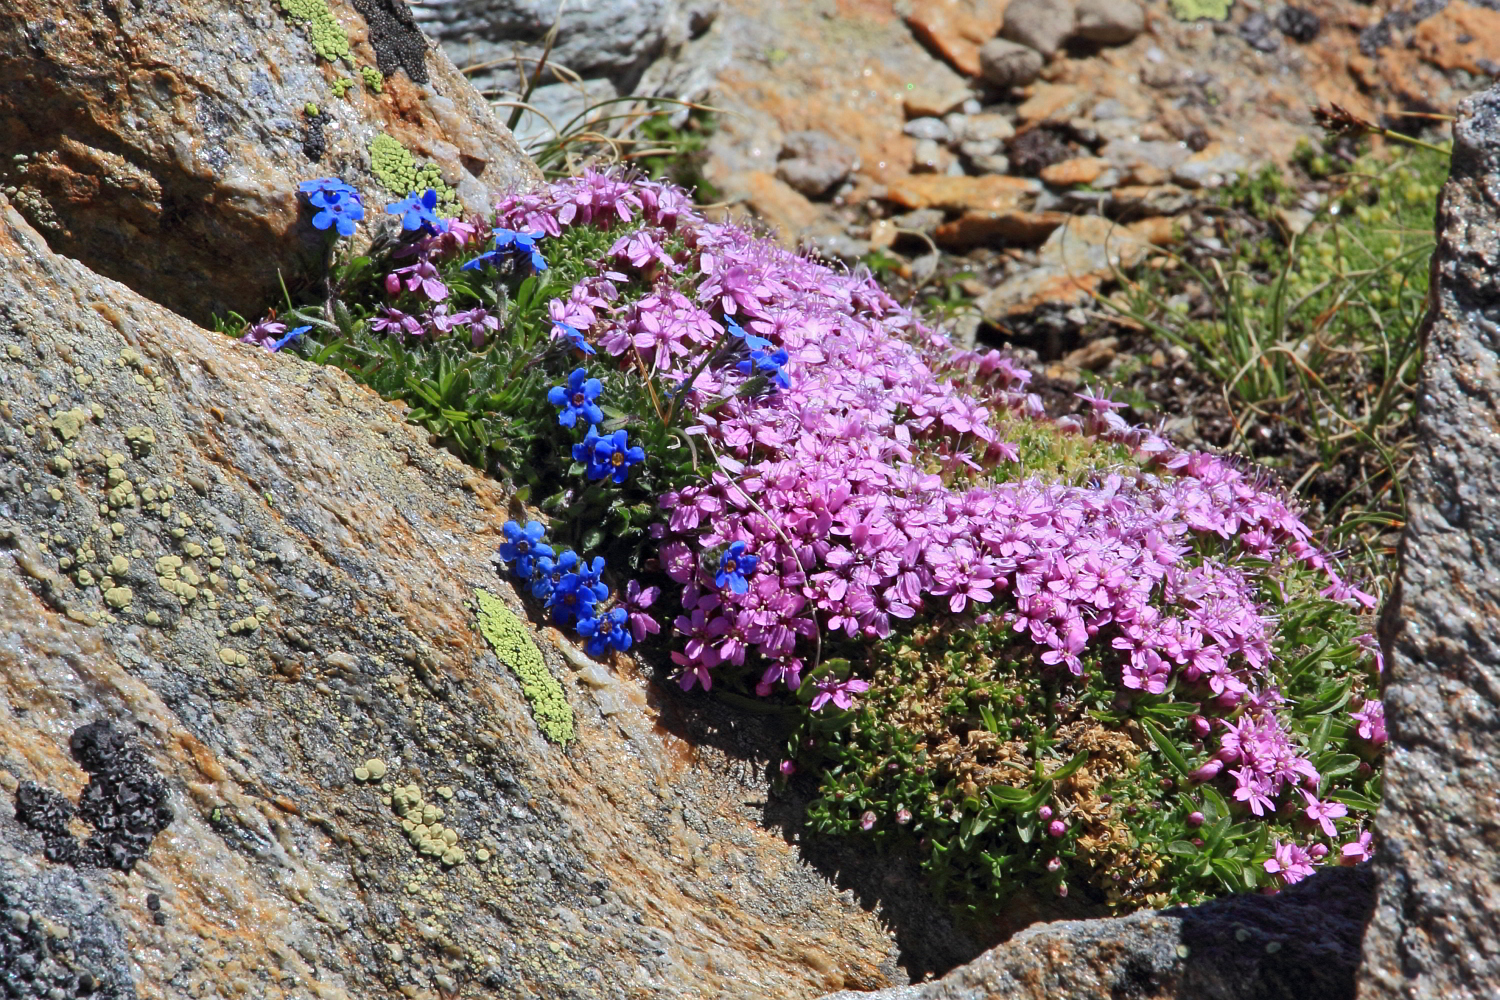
[(290, 336), (522, 546), (752, 342), (337, 203), (769, 364), (511, 243), (576, 399), (572, 336), (590, 575), (572, 599), (326, 187), (735, 568), (612, 458), (583, 451), (419, 211), (550, 571), (606, 632)]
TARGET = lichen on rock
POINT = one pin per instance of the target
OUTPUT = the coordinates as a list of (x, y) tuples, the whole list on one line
[(326, 34), (507, 634), (395, 168)]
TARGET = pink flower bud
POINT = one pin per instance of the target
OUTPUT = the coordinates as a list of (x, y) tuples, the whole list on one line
[(1054, 864), (1201, 726), (1057, 828), (903, 816), (867, 821), (392, 284), (1044, 813), (1209, 771), (788, 768), (1319, 851), (1062, 889), (1195, 819)]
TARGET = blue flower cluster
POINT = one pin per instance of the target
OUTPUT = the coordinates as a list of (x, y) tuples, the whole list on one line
[(570, 587), (338, 204), (510, 243), (419, 211), (602, 454), (607, 454)]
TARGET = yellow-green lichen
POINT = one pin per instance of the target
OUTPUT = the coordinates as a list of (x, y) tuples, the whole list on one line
[(310, 109), (327, 35), (1195, 10), (511, 641), (341, 86), (374, 79), (395, 168)]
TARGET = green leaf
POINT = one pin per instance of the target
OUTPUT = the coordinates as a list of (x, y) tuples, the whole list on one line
[(1071, 766), (1182, 847), (1168, 750), (1354, 800)]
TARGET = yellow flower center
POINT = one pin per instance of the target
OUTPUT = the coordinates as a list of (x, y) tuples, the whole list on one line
[(618, 458)]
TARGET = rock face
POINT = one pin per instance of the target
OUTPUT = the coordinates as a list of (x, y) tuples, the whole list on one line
[(265, 581), (162, 141), (612, 39), (1302, 943), (1438, 862)]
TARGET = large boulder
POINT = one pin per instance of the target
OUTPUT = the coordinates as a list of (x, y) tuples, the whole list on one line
[(259, 578), (596, 39), (161, 141), (1438, 860)]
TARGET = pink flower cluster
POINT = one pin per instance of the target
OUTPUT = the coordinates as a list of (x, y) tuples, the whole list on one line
[(873, 488)]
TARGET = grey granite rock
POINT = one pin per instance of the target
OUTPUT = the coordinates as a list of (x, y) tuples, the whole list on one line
[(616, 39), (1039, 24), (814, 162), (1434, 933), (1109, 22)]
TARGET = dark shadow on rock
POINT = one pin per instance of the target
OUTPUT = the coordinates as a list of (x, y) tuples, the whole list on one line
[(1303, 942)]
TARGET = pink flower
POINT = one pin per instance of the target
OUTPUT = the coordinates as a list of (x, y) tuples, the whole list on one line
[(1356, 851), (788, 768), (838, 692), (637, 600), (1289, 863), (1371, 720), (1324, 813), (421, 275), (867, 821)]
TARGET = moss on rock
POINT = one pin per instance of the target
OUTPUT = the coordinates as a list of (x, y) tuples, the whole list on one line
[(508, 636)]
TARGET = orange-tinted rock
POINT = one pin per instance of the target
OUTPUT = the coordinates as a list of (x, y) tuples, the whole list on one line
[(990, 193), (957, 28), (165, 142), (1079, 170), (775, 201), (1158, 230), (976, 228), (1051, 102), (356, 547), (1072, 265), (1461, 36), (935, 98)]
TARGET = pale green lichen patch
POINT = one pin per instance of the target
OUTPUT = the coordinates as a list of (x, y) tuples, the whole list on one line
[(374, 79), (508, 635), (341, 86), (396, 169), (325, 33), (1196, 10)]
